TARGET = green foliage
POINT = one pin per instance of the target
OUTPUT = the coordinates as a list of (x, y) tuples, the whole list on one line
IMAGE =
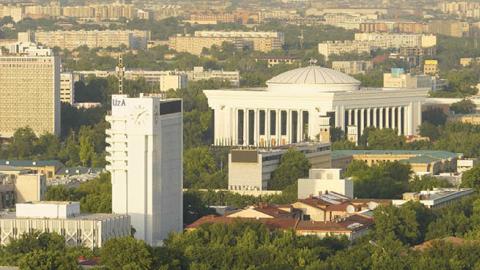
[(126, 253), (41, 251), (382, 139), (201, 171), (427, 183), (435, 116), (471, 178), (429, 130), (460, 138), (464, 106), (95, 196), (383, 180), (293, 165)]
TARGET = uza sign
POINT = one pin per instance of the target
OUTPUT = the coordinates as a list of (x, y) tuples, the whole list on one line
[(118, 102)]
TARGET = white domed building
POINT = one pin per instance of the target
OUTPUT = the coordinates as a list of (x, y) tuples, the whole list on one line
[(300, 104)]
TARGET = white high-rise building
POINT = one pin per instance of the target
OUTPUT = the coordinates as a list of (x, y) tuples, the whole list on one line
[(145, 155)]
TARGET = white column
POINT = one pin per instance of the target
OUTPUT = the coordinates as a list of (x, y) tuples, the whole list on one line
[(342, 117), (245, 126), (399, 120), (387, 117), (394, 117), (369, 111), (375, 119), (406, 121), (362, 120), (410, 119), (289, 126), (380, 124), (278, 128), (267, 128), (299, 125), (257, 128)]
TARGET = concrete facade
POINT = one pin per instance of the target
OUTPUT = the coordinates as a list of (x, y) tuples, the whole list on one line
[(145, 156)]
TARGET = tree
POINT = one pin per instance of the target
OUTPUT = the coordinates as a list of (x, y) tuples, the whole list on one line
[(471, 178), (435, 116), (427, 182), (293, 165), (118, 253), (384, 139), (22, 146), (465, 106), (85, 151), (200, 170), (429, 130), (47, 260), (47, 147)]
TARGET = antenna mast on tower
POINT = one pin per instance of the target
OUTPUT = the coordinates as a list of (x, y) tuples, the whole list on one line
[(120, 69)]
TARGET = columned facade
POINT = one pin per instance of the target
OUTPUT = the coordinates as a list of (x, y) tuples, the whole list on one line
[(295, 104)]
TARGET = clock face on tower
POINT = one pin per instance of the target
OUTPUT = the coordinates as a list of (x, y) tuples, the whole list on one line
[(139, 115)]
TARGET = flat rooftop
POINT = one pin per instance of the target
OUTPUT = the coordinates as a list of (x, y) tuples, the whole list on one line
[(87, 216)]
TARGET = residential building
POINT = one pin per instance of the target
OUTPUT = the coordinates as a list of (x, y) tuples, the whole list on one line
[(301, 105), (352, 67), (145, 155), (348, 21), (64, 218), (473, 119), (70, 40), (448, 28), (467, 61), (324, 181), (397, 78), (436, 198), (341, 47), (252, 169), (67, 90), (16, 12), (199, 73), (258, 41), (275, 60), (394, 40), (422, 161), (30, 90), (165, 79), (286, 218), (430, 67)]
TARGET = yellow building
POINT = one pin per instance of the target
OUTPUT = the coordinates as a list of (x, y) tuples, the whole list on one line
[(430, 67), (30, 93), (473, 119), (49, 168), (421, 161), (258, 41)]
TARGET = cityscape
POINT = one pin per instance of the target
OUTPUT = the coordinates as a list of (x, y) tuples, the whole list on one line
[(239, 134)]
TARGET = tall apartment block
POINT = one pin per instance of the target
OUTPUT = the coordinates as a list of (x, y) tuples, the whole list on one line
[(67, 90), (145, 156), (29, 90)]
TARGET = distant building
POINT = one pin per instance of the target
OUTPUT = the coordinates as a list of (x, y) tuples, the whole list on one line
[(422, 161), (323, 181), (430, 67), (252, 169), (467, 61), (70, 40), (64, 218), (435, 198), (397, 78), (30, 90), (20, 186), (145, 155), (45, 167), (67, 90), (199, 73), (348, 21), (473, 119), (275, 60), (352, 67), (258, 41), (448, 28), (464, 165)]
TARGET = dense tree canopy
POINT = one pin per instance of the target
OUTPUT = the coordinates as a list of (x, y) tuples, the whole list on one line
[(293, 165)]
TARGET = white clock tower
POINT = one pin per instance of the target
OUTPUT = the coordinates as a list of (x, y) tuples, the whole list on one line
[(145, 156)]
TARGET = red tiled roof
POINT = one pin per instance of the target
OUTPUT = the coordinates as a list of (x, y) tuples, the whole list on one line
[(341, 226), (272, 223)]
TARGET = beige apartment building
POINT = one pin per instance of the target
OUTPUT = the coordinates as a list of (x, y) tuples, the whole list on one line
[(133, 39), (352, 67), (30, 93), (67, 91), (258, 41)]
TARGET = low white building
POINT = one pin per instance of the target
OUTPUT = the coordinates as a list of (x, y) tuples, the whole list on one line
[(464, 165), (397, 78), (323, 181), (64, 218), (252, 169), (435, 198)]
